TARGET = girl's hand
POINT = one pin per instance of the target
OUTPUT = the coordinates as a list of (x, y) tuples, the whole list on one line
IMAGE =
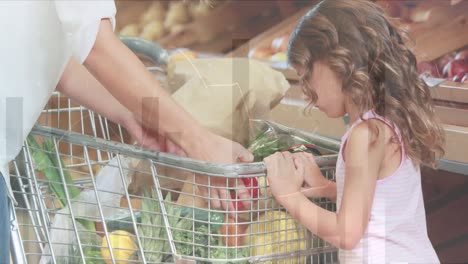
[(315, 183), (285, 174)]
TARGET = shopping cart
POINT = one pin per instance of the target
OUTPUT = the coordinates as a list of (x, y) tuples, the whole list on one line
[(86, 194)]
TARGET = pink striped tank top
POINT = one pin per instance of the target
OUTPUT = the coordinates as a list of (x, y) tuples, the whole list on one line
[(397, 231)]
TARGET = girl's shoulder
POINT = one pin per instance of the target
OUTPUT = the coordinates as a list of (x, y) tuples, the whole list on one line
[(376, 142), (368, 134), (375, 127)]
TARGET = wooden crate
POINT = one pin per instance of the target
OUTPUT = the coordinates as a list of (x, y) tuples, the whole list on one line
[(450, 91)]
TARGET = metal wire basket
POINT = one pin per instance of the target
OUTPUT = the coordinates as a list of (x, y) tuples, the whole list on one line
[(67, 212)]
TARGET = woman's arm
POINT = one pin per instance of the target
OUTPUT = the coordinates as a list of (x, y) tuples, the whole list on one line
[(78, 84), (126, 78), (345, 228)]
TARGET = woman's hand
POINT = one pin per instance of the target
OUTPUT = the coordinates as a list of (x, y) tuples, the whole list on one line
[(213, 148), (285, 174), (149, 139)]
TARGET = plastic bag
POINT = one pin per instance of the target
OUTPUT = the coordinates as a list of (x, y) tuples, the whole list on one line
[(110, 189)]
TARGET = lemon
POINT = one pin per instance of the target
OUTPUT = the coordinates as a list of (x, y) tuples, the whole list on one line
[(275, 232), (122, 245)]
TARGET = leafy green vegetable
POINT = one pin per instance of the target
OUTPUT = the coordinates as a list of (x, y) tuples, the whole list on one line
[(47, 162), (151, 229), (192, 230), (267, 142), (201, 243), (91, 245)]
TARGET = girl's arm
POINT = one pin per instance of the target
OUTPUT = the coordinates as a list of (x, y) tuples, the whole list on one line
[(316, 185), (345, 228), (328, 190)]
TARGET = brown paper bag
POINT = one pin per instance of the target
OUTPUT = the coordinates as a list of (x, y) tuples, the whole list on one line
[(223, 94)]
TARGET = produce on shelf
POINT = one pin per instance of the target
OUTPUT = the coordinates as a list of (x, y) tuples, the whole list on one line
[(156, 12), (153, 30), (164, 17), (409, 15), (130, 30), (177, 14), (411, 11), (452, 66), (280, 44), (465, 79), (123, 247), (276, 52), (455, 67), (262, 53)]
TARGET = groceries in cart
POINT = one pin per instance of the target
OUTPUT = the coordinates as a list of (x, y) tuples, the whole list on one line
[(269, 140), (112, 220), (97, 205)]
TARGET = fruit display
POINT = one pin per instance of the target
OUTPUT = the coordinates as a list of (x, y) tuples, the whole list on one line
[(452, 66), (415, 11), (415, 18), (162, 18)]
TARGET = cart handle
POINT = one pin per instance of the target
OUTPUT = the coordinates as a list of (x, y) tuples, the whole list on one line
[(147, 48), (166, 159)]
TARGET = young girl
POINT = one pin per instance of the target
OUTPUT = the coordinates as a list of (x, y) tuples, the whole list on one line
[(352, 61)]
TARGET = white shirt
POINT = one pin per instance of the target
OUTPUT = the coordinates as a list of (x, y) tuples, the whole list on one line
[(38, 39)]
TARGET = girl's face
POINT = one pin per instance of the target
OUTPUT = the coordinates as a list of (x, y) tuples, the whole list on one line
[(328, 87)]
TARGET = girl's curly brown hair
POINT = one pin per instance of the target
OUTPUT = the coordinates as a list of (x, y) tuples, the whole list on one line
[(357, 41)]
